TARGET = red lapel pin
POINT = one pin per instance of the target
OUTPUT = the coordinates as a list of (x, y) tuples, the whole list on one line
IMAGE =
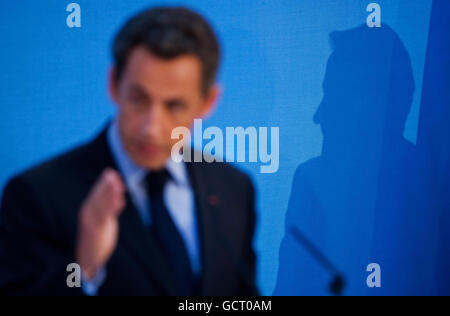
[(213, 200)]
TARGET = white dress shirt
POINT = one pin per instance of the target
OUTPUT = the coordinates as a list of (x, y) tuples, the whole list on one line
[(178, 197)]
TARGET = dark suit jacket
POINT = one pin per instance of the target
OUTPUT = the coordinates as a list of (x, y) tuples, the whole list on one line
[(38, 228)]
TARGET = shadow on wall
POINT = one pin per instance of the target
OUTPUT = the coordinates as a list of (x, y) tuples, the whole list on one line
[(361, 201), (434, 136)]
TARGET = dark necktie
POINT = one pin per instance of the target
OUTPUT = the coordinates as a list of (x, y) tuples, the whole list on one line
[(167, 234)]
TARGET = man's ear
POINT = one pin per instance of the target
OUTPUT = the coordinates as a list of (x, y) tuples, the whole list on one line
[(112, 84), (211, 100)]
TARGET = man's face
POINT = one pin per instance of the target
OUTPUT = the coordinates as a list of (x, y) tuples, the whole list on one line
[(154, 96)]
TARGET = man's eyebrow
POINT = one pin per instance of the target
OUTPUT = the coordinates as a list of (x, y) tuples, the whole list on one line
[(175, 100), (137, 88)]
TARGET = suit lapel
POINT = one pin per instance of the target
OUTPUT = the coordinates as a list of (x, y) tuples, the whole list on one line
[(205, 206), (137, 238)]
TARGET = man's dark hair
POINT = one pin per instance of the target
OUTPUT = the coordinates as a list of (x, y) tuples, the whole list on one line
[(169, 32)]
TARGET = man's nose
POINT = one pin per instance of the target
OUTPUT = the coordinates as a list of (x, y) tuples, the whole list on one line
[(318, 115), (153, 121)]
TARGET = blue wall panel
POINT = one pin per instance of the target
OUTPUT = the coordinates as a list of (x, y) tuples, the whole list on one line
[(347, 100)]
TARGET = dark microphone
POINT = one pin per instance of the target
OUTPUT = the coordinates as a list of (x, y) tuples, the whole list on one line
[(337, 284)]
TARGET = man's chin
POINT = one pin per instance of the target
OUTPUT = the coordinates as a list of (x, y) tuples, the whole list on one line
[(152, 164), (155, 166), (154, 160)]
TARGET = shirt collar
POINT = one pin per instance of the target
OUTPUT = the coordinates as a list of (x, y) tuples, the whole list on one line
[(132, 172)]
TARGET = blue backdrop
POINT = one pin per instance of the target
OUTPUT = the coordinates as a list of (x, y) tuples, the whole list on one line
[(363, 116)]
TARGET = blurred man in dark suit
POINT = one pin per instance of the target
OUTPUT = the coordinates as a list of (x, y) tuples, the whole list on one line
[(135, 221)]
